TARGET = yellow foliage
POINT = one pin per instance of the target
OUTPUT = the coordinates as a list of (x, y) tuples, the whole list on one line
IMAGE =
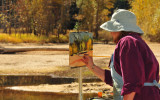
[(89, 44), (74, 48), (83, 45), (70, 50), (148, 17)]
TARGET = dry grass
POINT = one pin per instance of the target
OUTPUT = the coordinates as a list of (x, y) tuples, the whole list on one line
[(31, 38)]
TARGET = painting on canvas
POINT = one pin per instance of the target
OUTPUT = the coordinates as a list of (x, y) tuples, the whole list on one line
[(79, 44)]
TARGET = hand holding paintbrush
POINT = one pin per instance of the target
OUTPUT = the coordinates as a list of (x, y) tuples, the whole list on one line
[(88, 60), (99, 72)]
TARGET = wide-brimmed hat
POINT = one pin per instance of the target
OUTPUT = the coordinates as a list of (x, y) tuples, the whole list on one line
[(122, 20)]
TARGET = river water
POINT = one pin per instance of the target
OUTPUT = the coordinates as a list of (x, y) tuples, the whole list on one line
[(23, 95)]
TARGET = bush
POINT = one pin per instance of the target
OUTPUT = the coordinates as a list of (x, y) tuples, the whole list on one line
[(62, 39)]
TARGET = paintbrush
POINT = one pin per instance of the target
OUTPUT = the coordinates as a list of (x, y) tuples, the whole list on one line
[(85, 52)]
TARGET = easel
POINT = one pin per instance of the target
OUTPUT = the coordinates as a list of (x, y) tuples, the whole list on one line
[(80, 78), (80, 95), (80, 84)]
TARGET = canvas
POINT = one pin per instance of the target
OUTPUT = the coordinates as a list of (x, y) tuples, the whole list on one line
[(79, 44)]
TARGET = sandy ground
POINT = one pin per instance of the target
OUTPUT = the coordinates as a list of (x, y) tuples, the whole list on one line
[(47, 62), (53, 62), (67, 88), (43, 62)]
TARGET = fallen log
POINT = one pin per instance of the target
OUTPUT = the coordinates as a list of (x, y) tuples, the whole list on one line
[(14, 50)]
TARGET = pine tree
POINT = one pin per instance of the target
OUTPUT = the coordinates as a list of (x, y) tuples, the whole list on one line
[(120, 4)]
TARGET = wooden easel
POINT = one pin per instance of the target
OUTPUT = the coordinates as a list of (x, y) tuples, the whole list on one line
[(80, 78), (80, 84)]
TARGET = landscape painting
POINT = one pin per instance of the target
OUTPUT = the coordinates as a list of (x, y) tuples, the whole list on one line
[(79, 44)]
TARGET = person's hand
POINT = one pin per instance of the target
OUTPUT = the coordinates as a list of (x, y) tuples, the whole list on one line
[(129, 96), (88, 60)]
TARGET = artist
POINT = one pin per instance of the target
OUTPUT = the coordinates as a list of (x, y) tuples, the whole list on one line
[(134, 69)]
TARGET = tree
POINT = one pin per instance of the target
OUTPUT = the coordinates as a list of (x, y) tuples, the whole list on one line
[(72, 12), (148, 17), (38, 16), (95, 12), (120, 4)]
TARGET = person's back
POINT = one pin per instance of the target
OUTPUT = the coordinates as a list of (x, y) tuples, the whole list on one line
[(149, 66)]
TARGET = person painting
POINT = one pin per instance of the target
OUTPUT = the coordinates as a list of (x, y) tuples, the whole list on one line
[(134, 69)]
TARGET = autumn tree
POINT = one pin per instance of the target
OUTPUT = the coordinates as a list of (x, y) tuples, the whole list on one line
[(148, 17), (38, 16), (94, 13), (120, 4)]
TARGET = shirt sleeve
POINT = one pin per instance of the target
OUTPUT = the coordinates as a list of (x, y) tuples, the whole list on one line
[(132, 67), (108, 78)]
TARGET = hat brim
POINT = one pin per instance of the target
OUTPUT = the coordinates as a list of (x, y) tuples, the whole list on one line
[(113, 26)]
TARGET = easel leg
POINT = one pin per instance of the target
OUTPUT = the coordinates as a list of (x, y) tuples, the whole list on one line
[(80, 84)]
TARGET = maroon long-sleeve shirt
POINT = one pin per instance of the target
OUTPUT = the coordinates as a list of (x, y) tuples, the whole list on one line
[(136, 63)]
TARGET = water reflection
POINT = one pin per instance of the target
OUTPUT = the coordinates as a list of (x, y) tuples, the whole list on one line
[(23, 95)]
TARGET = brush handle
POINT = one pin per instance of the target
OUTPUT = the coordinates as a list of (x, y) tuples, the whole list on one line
[(95, 56), (101, 56)]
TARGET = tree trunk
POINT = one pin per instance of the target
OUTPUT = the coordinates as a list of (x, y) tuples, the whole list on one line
[(97, 22)]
